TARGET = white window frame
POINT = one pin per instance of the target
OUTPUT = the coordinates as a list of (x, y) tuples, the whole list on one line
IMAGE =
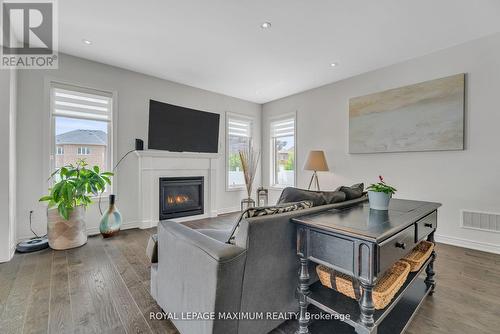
[(50, 84), (61, 149), (235, 117), (272, 155)]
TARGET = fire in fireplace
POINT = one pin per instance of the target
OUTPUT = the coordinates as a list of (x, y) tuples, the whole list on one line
[(181, 196)]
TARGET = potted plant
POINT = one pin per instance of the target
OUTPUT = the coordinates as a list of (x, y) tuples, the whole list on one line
[(379, 194), (74, 186)]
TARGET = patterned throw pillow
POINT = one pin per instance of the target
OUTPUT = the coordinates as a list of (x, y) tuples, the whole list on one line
[(268, 210)]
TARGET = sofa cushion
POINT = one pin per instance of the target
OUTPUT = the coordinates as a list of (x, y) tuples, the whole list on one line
[(268, 210), (292, 195), (352, 192)]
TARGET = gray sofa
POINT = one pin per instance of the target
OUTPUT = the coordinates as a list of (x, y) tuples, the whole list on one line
[(197, 271)]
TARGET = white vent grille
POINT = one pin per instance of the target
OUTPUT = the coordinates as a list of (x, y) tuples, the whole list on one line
[(484, 221)]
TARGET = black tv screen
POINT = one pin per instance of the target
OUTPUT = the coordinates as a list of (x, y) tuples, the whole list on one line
[(179, 129)]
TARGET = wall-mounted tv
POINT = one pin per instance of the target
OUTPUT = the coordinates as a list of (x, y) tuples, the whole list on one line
[(180, 129)]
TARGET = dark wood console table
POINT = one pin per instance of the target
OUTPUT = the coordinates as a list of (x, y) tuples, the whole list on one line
[(364, 243)]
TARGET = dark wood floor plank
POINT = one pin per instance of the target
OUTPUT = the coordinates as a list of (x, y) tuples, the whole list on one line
[(60, 314), (12, 319), (37, 314), (130, 314), (8, 274), (139, 292)]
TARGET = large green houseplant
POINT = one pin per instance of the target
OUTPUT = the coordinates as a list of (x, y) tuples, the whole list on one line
[(72, 191)]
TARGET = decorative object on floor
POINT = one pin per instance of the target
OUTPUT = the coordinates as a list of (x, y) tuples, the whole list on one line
[(316, 162), (249, 162), (427, 116), (262, 196), (69, 196), (417, 257), (34, 244), (383, 292), (111, 220), (379, 194)]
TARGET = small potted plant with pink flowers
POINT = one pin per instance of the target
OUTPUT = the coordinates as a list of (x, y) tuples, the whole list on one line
[(379, 194)]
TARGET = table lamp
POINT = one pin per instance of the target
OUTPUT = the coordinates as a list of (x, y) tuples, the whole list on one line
[(316, 162)]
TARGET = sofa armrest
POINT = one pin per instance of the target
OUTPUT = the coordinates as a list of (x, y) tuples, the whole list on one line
[(199, 274)]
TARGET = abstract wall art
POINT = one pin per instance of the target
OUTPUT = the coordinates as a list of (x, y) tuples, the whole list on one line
[(427, 116)]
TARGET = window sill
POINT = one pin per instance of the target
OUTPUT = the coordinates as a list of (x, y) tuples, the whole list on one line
[(278, 188), (232, 189)]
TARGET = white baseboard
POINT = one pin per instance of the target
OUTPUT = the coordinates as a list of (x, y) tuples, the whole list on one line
[(228, 210), (125, 226), (476, 245), (90, 231)]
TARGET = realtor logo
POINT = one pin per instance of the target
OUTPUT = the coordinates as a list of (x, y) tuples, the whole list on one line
[(29, 34)]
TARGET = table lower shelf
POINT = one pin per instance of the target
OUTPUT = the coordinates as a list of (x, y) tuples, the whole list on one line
[(392, 319), (395, 322)]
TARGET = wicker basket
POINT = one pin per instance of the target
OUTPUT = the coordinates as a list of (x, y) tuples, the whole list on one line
[(383, 292), (417, 257)]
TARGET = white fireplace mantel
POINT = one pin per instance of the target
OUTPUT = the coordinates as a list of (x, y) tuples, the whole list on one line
[(152, 165)]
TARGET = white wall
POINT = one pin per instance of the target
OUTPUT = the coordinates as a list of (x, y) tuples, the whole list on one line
[(134, 91), (7, 163), (468, 179)]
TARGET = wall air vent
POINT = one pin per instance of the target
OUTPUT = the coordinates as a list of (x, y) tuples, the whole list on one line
[(484, 221)]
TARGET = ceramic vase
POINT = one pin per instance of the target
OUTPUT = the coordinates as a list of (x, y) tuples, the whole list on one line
[(111, 220)]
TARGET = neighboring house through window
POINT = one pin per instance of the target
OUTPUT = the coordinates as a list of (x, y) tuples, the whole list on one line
[(283, 163), (238, 138), (81, 126)]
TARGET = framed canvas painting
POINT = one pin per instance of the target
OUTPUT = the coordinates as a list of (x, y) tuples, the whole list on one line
[(427, 116)]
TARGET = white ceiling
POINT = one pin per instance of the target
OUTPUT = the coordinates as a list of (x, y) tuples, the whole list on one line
[(218, 45)]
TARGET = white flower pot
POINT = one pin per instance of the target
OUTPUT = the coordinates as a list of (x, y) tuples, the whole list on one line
[(379, 200)]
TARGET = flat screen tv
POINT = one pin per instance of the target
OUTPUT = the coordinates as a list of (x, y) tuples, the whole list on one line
[(179, 129)]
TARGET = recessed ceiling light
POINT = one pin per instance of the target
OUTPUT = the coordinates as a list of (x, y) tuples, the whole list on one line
[(266, 25), (334, 64), (86, 41)]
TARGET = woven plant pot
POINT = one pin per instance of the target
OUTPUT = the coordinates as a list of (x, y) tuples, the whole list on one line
[(66, 234), (383, 292), (419, 255)]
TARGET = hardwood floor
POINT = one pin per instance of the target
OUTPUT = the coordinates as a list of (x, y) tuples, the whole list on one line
[(103, 287)]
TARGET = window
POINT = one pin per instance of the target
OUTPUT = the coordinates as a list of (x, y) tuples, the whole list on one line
[(238, 137), (283, 152), (81, 121), (83, 150)]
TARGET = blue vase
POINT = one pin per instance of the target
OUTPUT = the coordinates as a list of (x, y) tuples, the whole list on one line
[(111, 220)]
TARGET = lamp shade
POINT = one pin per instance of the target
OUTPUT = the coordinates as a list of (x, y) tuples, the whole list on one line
[(316, 161)]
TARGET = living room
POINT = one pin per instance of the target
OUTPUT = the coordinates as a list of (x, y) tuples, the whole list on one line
[(290, 127)]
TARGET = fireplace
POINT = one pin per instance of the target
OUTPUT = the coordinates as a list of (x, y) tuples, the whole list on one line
[(181, 196)]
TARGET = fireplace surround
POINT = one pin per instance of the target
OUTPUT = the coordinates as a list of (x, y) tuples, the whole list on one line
[(181, 197)]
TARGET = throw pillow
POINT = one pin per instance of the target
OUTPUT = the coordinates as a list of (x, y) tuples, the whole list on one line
[(268, 210), (352, 192), (332, 197), (292, 195)]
